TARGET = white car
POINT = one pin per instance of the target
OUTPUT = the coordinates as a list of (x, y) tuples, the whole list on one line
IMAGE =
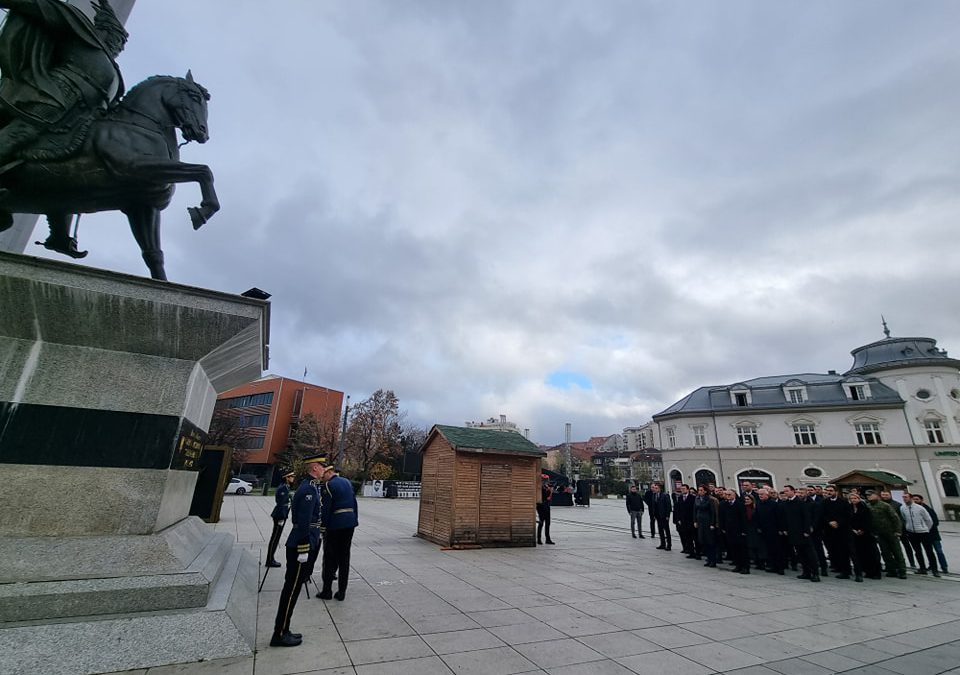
[(238, 487)]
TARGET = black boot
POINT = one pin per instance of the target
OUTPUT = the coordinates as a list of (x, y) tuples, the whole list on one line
[(325, 594), (285, 640)]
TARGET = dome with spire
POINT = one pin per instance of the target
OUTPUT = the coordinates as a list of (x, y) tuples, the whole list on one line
[(902, 352)]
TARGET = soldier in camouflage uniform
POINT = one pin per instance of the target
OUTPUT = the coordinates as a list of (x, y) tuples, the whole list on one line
[(887, 526)]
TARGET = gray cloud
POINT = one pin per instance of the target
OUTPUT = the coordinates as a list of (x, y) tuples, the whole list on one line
[(456, 199)]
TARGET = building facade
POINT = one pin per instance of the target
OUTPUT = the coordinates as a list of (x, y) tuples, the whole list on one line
[(896, 410), (260, 416)]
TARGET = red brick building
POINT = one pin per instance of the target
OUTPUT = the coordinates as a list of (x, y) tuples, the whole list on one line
[(265, 410)]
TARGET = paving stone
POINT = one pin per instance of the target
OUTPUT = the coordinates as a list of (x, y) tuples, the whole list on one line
[(558, 653), (767, 647), (671, 636), (502, 617), (797, 667), (662, 662), (387, 649), (462, 641), (718, 655), (832, 660), (607, 667), (431, 665), (442, 624), (614, 645), (499, 661), (752, 670), (528, 632)]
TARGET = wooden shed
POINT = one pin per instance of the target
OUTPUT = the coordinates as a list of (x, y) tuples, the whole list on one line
[(479, 487), (865, 480)]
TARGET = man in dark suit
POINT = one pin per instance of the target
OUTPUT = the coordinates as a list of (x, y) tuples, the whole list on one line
[(648, 499), (835, 525), (683, 518), (733, 525), (661, 508), (797, 527), (767, 529), (814, 499)]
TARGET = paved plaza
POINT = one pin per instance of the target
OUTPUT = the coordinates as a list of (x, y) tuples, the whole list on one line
[(597, 603)]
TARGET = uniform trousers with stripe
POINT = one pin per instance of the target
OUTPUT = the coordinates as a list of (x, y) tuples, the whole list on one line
[(296, 575)]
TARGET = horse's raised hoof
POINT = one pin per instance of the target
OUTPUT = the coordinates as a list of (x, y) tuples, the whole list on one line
[(196, 217), (65, 246)]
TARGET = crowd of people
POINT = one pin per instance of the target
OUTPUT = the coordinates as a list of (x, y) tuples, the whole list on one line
[(814, 530)]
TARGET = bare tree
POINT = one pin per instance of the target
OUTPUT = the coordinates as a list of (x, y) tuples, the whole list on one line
[(225, 430)]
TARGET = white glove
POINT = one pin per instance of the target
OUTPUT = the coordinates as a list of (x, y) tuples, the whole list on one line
[(302, 558)]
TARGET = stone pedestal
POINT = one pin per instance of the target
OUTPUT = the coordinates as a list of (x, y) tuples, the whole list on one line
[(107, 381)]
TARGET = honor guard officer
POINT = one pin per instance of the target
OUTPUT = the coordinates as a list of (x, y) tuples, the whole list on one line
[(339, 518), (279, 515), (302, 546)]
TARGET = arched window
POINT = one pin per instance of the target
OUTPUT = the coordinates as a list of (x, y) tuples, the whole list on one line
[(951, 486), (705, 477), (676, 478), (756, 476)]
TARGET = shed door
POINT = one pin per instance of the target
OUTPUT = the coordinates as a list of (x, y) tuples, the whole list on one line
[(495, 480)]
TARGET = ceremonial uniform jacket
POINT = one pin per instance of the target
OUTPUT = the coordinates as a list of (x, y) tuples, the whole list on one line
[(305, 513), (282, 509), (339, 505)]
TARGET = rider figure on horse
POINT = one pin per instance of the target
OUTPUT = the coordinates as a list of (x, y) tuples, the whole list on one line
[(58, 72)]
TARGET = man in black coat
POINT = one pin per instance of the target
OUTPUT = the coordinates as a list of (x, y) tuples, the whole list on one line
[(661, 508), (648, 497), (683, 518), (766, 517), (635, 507), (814, 499), (279, 515), (797, 524), (835, 525), (733, 525)]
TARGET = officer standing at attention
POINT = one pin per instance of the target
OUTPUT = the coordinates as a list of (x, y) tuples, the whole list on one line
[(339, 519), (304, 540), (279, 515)]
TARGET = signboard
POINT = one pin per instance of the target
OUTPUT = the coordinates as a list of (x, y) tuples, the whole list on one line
[(946, 453), (186, 454)]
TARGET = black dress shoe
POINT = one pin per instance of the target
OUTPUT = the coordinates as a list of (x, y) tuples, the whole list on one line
[(634, 536), (285, 640), (273, 563), (552, 543), (815, 579), (325, 595), (641, 537), (661, 547), (745, 570), (340, 595), (295, 636), (843, 576), (858, 579), (803, 576)]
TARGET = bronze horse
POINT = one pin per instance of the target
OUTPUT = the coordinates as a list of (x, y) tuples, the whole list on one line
[(129, 162)]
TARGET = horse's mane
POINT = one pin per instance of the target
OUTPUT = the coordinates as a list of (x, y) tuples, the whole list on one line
[(153, 79)]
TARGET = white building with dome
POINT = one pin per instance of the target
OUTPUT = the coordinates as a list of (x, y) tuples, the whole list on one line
[(897, 411)]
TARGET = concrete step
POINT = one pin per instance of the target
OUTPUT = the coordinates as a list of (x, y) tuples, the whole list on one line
[(188, 588)]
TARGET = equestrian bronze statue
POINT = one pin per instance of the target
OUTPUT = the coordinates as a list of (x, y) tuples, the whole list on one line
[(71, 140)]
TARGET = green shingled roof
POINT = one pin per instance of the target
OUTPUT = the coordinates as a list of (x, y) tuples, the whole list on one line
[(509, 442)]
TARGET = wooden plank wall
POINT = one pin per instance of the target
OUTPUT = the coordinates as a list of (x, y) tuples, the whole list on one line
[(495, 502), (466, 518), (446, 459), (525, 493), (428, 493)]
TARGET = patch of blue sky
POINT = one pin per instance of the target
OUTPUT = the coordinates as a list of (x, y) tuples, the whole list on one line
[(566, 379)]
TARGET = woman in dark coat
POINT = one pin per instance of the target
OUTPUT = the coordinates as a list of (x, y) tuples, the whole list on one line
[(863, 549), (756, 551), (706, 522)]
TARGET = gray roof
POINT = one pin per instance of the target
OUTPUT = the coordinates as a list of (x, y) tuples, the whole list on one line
[(899, 353), (823, 390)]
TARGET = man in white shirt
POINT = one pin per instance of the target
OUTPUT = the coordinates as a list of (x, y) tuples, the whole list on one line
[(918, 524)]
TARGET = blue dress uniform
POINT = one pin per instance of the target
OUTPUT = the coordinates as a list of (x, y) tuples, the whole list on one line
[(279, 515), (304, 539), (339, 518)]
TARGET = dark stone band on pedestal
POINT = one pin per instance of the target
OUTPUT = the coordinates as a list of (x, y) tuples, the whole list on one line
[(67, 436)]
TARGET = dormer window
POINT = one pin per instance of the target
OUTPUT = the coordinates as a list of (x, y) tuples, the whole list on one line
[(857, 391), (740, 397)]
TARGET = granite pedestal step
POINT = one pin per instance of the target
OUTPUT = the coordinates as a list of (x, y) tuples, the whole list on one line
[(224, 627), (187, 588)]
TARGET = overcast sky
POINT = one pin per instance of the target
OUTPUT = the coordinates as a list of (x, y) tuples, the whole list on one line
[(565, 210)]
